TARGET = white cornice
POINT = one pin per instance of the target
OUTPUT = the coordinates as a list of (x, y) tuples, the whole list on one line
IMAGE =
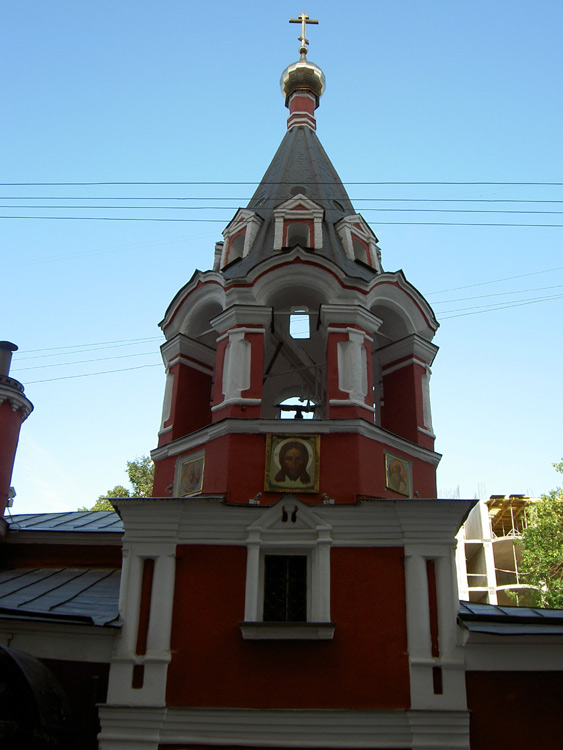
[(412, 345), (317, 426), (181, 345), (301, 728), (350, 315), (422, 526), (242, 315)]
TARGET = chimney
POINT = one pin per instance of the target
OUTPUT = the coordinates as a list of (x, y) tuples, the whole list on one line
[(15, 407)]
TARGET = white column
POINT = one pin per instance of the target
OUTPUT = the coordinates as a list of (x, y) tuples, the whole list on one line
[(236, 367), (252, 581), (418, 608), (352, 366), (160, 623)]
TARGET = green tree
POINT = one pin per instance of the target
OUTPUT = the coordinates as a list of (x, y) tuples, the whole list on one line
[(542, 542), (141, 477)]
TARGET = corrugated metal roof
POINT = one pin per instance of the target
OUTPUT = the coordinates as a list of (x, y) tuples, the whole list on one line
[(87, 595), (494, 619), (91, 521)]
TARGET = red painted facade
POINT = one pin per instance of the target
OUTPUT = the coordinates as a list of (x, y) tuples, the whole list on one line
[(364, 666)]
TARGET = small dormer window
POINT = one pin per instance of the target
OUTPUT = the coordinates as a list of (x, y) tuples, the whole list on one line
[(297, 233), (298, 221), (239, 236), (358, 241)]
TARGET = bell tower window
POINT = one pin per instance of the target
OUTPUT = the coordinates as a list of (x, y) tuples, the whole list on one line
[(299, 323)]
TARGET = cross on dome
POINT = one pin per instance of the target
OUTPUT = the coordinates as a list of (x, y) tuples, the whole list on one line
[(303, 19)]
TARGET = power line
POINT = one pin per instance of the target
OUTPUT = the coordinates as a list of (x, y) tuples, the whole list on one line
[(90, 374), (269, 200), (235, 208), (87, 361), (277, 182), (226, 221), (476, 311), (497, 294), (495, 281)]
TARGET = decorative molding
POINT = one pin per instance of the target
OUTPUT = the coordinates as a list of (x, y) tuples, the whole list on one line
[(287, 631), (320, 426), (413, 346), (240, 315), (350, 315), (17, 402), (130, 728)]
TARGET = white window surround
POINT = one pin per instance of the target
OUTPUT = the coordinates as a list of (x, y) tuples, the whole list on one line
[(289, 212), (244, 221), (355, 227), (308, 535)]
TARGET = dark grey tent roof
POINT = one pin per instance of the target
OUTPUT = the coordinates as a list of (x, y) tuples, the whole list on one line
[(300, 165)]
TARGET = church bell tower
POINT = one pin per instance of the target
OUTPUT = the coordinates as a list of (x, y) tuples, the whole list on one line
[(298, 336)]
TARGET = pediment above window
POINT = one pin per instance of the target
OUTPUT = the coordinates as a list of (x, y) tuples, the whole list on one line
[(288, 514), (298, 221)]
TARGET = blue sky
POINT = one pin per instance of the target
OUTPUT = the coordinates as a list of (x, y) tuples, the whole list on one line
[(188, 92)]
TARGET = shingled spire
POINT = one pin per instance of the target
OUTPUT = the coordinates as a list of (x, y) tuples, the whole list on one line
[(301, 200)]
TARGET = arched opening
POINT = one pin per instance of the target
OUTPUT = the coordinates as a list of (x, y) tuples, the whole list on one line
[(296, 408), (298, 233)]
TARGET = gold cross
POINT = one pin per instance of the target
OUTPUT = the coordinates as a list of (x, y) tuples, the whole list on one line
[(303, 19)]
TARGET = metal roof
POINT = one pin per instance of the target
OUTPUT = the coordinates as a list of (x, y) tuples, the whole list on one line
[(79, 595), (497, 620), (88, 521)]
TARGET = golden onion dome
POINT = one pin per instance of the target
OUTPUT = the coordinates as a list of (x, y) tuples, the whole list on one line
[(302, 75)]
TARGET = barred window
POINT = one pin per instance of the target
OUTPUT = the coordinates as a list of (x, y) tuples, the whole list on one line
[(285, 588)]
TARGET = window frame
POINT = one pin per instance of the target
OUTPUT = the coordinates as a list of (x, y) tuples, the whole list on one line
[(311, 537)]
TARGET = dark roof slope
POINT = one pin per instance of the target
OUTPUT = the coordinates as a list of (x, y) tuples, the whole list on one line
[(497, 620), (77, 595), (91, 521)]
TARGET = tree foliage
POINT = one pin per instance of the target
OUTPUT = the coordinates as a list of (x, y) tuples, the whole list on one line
[(141, 477), (542, 541)]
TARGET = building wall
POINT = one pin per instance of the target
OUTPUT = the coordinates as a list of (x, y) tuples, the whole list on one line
[(364, 666), (516, 710)]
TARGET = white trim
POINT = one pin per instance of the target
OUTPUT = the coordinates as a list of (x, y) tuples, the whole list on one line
[(424, 431), (291, 631), (182, 345), (240, 315), (130, 728), (308, 535), (322, 427), (413, 345), (401, 365), (236, 402), (240, 330), (351, 402), (59, 640)]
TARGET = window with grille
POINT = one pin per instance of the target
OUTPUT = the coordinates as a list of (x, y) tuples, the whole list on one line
[(285, 588)]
